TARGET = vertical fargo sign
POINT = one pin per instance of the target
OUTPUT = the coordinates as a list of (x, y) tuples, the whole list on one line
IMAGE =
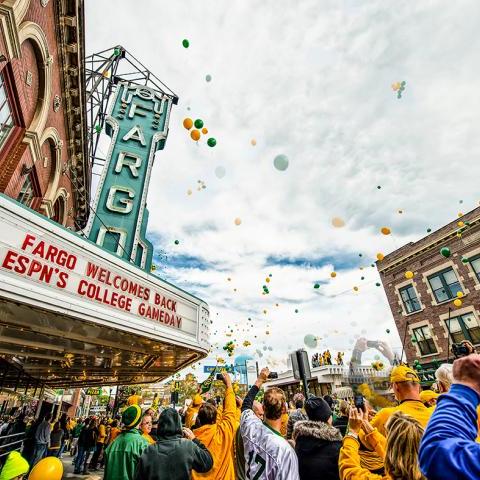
[(138, 127)]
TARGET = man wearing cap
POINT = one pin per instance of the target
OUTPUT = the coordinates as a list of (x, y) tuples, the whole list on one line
[(123, 454), (429, 397)]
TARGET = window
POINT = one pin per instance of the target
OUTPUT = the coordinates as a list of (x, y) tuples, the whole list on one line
[(475, 263), (27, 191), (409, 298), (424, 340), (464, 327), (445, 285), (6, 117)]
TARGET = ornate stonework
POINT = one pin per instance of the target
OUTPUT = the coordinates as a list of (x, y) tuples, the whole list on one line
[(57, 102)]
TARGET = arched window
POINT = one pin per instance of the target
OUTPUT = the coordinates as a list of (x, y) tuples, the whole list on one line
[(59, 210)]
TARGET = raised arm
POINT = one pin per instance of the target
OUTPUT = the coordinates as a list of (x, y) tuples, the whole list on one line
[(252, 393), (448, 448)]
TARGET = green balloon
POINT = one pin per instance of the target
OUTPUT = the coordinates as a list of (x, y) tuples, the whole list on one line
[(211, 142), (296, 310), (465, 260), (317, 285), (198, 123), (445, 251), (362, 278), (388, 330), (377, 284), (185, 43), (177, 242), (280, 162), (429, 230), (208, 78)]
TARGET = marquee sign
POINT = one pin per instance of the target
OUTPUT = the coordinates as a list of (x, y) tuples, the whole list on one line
[(51, 262), (138, 127)]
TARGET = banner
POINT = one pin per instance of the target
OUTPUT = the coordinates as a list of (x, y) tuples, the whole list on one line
[(206, 385)]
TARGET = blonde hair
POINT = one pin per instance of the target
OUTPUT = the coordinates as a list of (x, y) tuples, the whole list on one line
[(403, 442)]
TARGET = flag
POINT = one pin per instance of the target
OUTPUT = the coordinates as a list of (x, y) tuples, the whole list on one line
[(206, 385)]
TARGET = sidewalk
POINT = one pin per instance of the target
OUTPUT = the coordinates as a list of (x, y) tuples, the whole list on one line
[(68, 471)]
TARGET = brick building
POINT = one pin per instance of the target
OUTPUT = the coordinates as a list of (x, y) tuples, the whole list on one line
[(427, 320), (43, 134)]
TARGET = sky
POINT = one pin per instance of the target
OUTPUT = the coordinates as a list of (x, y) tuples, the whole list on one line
[(310, 80)]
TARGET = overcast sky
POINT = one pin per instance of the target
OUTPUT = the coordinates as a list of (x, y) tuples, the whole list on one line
[(309, 79)]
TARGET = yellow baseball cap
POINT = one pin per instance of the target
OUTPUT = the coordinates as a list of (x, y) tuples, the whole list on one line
[(427, 395), (402, 373)]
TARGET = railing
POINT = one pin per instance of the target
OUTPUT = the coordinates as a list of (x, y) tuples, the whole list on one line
[(13, 442)]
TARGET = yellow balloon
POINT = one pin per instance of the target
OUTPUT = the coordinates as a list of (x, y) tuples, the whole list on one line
[(457, 302), (385, 230), (355, 289), (267, 280), (460, 214), (380, 256), (195, 134), (50, 468), (204, 130), (408, 274), (460, 224), (253, 142), (338, 222), (333, 274), (460, 294), (238, 221), (188, 123)]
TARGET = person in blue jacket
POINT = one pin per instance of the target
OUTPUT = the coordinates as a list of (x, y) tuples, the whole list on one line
[(448, 449)]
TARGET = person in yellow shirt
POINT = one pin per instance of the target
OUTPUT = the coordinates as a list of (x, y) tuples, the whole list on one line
[(134, 399), (102, 436), (429, 397), (218, 437), (192, 411), (399, 449), (284, 418), (406, 387), (146, 428)]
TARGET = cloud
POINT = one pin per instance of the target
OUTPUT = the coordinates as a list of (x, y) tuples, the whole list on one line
[(310, 80)]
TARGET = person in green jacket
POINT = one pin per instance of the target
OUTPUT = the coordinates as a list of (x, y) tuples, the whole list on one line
[(176, 453), (123, 454)]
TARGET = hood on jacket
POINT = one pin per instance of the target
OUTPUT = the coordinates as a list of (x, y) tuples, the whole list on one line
[(169, 424), (317, 430), (206, 433)]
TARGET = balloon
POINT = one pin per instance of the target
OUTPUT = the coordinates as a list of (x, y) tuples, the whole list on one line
[(280, 162), (208, 78), (317, 285), (385, 230), (460, 224), (429, 230), (267, 279), (198, 123), (379, 187), (253, 142), (296, 310), (378, 284), (445, 251), (457, 302), (211, 142), (400, 211), (50, 468), (185, 43), (460, 294), (238, 221), (337, 222), (460, 214), (355, 289), (188, 123), (204, 130), (380, 256), (220, 172), (464, 260), (195, 134), (333, 274), (176, 242), (408, 274), (310, 341), (189, 192), (387, 330)]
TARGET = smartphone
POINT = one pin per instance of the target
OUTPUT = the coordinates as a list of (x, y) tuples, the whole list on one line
[(359, 402), (272, 375), (219, 377), (373, 343)]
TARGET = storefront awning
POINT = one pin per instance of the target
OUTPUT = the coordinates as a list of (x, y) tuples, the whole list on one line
[(72, 314)]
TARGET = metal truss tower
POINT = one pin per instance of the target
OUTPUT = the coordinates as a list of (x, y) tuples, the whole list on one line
[(103, 71)]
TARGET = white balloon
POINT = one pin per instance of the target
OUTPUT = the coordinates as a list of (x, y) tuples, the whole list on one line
[(220, 172)]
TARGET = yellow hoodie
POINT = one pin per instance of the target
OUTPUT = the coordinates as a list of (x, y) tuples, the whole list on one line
[(192, 411), (218, 438)]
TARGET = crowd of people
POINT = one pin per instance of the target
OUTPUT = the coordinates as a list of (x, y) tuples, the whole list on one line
[(427, 435)]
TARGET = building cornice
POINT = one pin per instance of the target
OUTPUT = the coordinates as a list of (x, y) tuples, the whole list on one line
[(70, 29), (435, 240)]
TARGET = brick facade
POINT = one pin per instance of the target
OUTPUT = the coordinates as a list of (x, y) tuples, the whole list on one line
[(423, 258), (43, 144)]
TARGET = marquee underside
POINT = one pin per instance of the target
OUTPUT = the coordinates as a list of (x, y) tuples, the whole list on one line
[(62, 351)]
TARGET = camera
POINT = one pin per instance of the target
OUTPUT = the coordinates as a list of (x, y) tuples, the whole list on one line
[(272, 375), (460, 350), (359, 402)]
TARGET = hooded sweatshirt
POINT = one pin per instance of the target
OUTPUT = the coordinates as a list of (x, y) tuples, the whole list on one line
[(317, 445), (192, 411), (172, 457), (218, 438)]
